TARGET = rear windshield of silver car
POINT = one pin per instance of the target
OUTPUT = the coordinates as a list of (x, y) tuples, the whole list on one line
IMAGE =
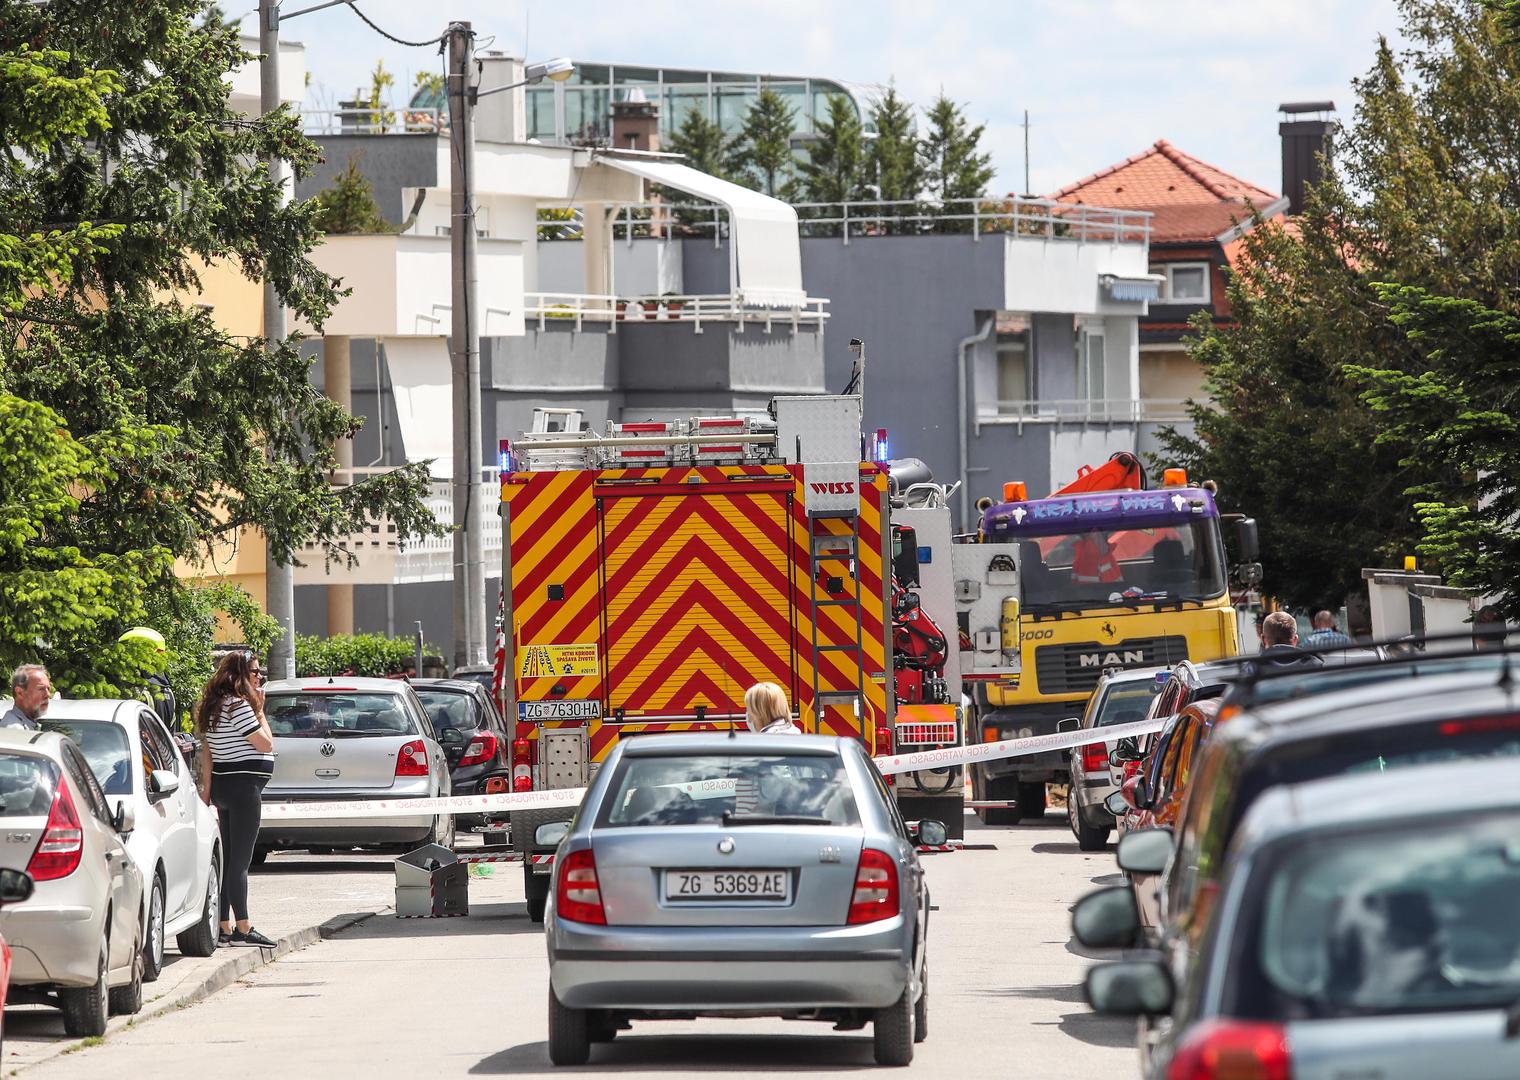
[(1412, 918), (729, 789), (330, 714), (27, 784), (1127, 703), (105, 748)]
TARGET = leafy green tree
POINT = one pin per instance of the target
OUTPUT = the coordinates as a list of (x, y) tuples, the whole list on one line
[(64, 600), (703, 144), (381, 83), (1460, 415), (347, 205), (954, 166), (156, 177), (763, 148), (1424, 196), (189, 619), (834, 170), (892, 160)]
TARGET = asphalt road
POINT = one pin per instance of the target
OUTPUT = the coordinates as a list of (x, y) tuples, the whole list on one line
[(466, 997)]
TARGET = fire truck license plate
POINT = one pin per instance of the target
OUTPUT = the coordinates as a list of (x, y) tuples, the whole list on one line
[(726, 884), (559, 710)]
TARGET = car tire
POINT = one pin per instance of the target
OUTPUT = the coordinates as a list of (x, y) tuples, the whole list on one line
[(86, 1008), (892, 1032), (921, 1007), (200, 939), (536, 891), (1089, 838), (153, 932), (1031, 800), (569, 1033), (128, 1000), (601, 1027), (443, 831)]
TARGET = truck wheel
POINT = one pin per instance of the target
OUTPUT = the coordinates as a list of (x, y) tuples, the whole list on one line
[(569, 1033), (536, 890), (1003, 789), (1031, 800)]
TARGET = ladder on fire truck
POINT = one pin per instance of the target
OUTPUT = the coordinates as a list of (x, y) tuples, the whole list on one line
[(825, 548)]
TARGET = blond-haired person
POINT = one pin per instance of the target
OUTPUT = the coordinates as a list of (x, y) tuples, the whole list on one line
[(767, 711)]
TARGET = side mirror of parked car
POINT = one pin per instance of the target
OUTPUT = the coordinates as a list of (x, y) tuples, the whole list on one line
[(1130, 988), (1145, 851), (161, 784), (1124, 750), (931, 833), (1115, 804), (550, 833), (1071, 723), (124, 820), (15, 886), (1107, 919)]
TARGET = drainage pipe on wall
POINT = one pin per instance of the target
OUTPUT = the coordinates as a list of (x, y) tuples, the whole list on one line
[(962, 401)]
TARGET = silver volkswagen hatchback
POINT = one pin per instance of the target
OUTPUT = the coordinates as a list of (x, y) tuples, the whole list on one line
[(713, 875)]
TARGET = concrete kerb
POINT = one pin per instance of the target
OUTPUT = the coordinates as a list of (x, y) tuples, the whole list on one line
[(239, 962)]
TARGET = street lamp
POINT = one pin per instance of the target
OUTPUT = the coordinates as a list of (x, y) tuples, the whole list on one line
[(557, 70)]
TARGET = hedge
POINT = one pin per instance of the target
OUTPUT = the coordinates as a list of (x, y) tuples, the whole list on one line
[(366, 655)]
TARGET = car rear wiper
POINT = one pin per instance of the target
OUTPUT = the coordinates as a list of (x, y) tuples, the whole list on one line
[(358, 732), (731, 818)]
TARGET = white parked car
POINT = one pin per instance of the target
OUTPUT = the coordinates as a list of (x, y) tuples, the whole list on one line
[(176, 842), (77, 942)]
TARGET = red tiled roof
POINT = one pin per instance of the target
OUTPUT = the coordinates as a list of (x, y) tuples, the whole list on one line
[(1191, 199)]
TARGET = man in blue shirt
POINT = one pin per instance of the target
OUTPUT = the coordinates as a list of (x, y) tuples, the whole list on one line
[(1325, 635)]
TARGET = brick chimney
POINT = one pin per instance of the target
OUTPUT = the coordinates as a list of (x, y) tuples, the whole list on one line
[(1306, 147), (635, 122)]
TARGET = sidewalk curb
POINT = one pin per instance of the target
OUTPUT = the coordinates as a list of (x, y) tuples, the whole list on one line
[(239, 963)]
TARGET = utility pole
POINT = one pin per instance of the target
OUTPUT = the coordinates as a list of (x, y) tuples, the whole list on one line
[(279, 582), (464, 357), (1026, 151)]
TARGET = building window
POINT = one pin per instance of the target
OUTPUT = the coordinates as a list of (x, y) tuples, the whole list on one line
[(1090, 365), (1015, 375), (1186, 283)]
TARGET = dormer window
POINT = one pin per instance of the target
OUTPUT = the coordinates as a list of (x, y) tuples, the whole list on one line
[(1186, 282)]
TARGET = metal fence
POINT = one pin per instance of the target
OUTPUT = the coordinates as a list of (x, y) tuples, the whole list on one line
[(1086, 411), (363, 120)]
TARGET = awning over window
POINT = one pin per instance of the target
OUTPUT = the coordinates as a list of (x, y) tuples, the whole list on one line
[(422, 381), (765, 257), (1132, 289)]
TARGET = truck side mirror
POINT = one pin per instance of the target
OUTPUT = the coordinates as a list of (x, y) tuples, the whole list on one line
[(1247, 540), (905, 556)]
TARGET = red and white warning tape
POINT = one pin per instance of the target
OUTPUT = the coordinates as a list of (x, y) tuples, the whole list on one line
[(527, 800)]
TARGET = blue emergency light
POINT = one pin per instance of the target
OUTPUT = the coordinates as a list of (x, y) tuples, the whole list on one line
[(879, 451)]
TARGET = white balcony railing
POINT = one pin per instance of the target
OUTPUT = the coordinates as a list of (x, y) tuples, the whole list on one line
[(384, 560), (363, 120), (578, 308), (1038, 219), (1085, 411)]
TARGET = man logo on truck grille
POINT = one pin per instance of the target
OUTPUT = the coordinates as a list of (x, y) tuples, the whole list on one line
[(1111, 659)]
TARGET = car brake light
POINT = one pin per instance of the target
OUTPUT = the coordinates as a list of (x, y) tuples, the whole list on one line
[(482, 748), (62, 840), (875, 896), (1094, 757), (1233, 1050), (579, 896), (412, 760), (1479, 724)]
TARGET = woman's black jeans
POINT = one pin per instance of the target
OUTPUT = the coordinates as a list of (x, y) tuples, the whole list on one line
[(238, 800)]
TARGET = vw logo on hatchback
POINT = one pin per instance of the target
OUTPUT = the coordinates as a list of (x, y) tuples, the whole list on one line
[(328, 749)]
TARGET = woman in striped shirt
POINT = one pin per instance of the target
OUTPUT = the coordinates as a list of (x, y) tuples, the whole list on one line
[(237, 759)]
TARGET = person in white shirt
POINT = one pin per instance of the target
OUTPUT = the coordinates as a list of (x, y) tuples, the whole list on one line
[(237, 759), (766, 710)]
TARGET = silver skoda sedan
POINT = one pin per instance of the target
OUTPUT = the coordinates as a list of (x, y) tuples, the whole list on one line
[(757, 875)]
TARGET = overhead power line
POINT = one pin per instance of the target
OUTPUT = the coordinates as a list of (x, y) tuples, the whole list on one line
[(392, 37)]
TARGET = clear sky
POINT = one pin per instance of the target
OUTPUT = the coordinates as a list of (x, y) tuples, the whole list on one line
[(1102, 79)]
